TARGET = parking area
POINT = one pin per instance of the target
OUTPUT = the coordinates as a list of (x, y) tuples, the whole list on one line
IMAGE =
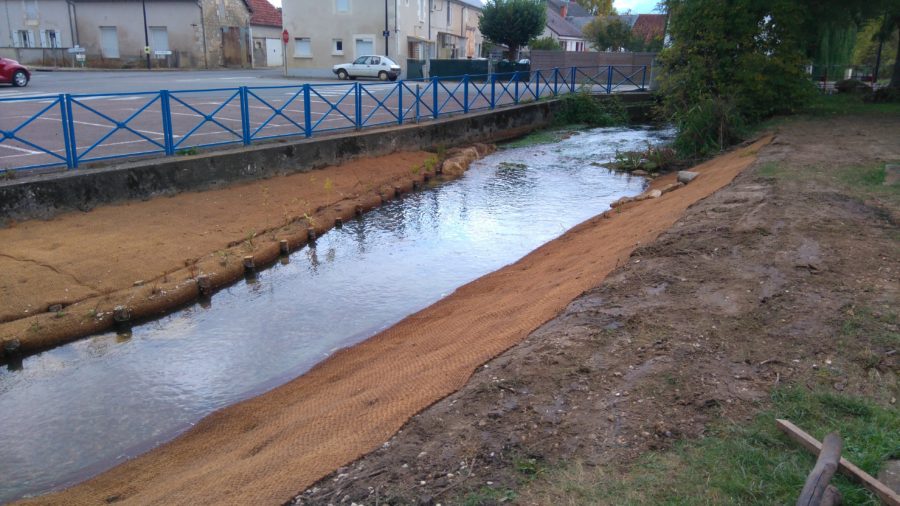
[(93, 116)]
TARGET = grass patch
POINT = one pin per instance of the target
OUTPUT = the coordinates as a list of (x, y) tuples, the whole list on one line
[(862, 324), (547, 136), (738, 465)]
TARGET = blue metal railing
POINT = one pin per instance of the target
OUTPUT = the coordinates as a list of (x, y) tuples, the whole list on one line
[(69, 130)]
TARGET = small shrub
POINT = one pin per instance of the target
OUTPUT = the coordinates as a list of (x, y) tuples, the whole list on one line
[(708, 127), (851, 86), (582, 108)]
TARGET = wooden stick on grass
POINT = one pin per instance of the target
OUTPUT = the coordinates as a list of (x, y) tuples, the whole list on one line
[(817, 484), (881, 490)]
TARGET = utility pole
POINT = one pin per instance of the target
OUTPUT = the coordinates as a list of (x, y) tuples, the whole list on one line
[(386, 32), (428, 43), (146, 34)]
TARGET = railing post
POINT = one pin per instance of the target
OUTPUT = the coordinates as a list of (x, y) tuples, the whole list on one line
[(307, 114), (493, 91), (466, 93), (609, 80), (572, 81), (644, 78), (71, 129), (65, 129), (245, 115), (555, 81), (434, 94), (400, 102), (358, 108), (537, 76), (418, 100), (165, 107), (516, 94)]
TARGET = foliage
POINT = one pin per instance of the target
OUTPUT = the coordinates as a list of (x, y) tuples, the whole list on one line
[(512, 22), (583, 109), (869, 39), (597, 7), (610, 33), (655, 158), (731, 64), (735, 464), (546, 43)]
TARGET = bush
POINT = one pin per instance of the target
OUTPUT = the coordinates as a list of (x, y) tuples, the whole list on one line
[(884, 96), (584, 109), (709, 126)]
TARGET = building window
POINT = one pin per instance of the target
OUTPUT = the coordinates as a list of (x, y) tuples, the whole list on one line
[(24, 38), (50, 38), (302, 48), (337, 46), (109, 42), (159, 38), (343, 5), (31, 10), (422, 10), (449, 13)]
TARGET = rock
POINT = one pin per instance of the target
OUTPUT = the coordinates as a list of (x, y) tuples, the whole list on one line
[(654, 194), (671, 187), (621, 202), (890, 475), (55, 308), (11, 347), (639, 172), (686, 176)]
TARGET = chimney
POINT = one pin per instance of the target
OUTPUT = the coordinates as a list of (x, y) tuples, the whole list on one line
[(564, 9)]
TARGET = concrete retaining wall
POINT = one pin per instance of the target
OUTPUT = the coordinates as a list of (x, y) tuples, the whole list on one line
[(44, 196)]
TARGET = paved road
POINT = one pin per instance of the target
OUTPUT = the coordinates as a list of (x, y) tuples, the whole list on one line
[(112, 125)]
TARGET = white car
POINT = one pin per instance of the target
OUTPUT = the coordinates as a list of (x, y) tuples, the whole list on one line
[(381, 67)]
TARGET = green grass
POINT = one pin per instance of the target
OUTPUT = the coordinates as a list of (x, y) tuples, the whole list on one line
[(831, 105), (538, 137), (862, 323), (739, 465)]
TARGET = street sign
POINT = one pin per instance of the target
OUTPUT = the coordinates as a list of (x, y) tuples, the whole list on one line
[(75, 50), (285, 36), (162, 53), (146, 49), (386, 33), (79, 57)]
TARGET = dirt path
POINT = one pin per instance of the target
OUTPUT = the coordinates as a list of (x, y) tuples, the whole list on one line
[(90, 262), (263, 450), (789, 276)]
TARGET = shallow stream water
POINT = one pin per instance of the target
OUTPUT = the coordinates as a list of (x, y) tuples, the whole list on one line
[(76, 410)]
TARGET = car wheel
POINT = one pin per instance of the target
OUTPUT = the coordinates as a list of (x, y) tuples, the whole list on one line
[(394, 78), (342, 74), (383, 75), (20, 78)]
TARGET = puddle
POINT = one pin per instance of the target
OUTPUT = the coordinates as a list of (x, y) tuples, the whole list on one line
[(74, 411)]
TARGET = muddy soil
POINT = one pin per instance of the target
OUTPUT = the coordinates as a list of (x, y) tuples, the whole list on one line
[(750, 289)]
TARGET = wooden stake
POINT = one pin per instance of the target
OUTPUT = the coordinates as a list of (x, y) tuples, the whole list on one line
[(284, 247), (338, 223), (881, 490), (311, 234), (248, 264), (203, 284), (826, 465)]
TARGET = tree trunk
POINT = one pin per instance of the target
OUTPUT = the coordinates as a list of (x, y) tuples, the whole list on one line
[(895, 77)]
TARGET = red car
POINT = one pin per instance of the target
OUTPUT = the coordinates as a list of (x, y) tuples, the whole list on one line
[(13, 73)]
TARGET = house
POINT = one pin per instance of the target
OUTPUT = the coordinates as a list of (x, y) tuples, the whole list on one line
[(123, 33), (398, 29), (565, 21), (650, 27), (265, 32)]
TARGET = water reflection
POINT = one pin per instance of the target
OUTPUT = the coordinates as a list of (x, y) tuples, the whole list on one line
[(78, 409)]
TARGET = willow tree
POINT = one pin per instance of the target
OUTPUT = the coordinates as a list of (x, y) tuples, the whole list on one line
[(597, 7), (512, 22)]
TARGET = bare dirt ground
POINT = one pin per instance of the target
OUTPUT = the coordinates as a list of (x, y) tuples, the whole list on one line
[(752, 288), (263, 450)]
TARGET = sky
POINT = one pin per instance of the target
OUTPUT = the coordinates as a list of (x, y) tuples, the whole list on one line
[(635, 6)]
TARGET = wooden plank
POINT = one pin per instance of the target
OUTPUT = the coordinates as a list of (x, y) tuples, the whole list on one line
[(886, 495), (826, 465)]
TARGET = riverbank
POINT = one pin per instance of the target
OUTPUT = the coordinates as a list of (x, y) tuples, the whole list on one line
[(265, 449), (774, 297), (147, 256)]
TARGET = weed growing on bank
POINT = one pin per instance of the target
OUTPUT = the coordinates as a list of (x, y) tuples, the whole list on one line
[(583, 109)]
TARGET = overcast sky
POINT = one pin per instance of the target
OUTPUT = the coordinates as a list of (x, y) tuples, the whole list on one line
[(635, 6)]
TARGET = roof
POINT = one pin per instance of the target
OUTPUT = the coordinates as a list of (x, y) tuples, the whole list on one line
[(650, 26), (574, 10), (265, 14), (558, 25)]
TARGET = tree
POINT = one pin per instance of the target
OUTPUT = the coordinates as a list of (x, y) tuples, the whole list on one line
[(512, 22), (609, 33), (546, 43), (597, 7)]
